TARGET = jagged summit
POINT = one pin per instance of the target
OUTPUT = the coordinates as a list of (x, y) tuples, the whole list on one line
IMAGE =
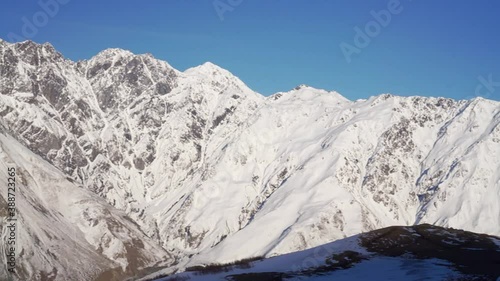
[(33, 52), (113, 52), (33, 45), (307, 93), (302, 86)]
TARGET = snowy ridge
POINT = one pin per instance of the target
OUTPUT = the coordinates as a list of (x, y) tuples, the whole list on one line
[(203, 165), (394, 253)]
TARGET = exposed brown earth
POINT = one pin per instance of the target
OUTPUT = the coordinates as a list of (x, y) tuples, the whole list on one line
[(469, 252)]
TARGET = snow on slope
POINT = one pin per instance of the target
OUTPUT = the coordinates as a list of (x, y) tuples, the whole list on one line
[(66, 232), (318, 179), (204, 164), (379, 268), (394, 253)]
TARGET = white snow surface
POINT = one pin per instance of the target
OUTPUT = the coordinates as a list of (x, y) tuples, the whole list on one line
[(206, 170)]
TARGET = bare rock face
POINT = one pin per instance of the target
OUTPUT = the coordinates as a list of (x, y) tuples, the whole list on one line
[(190, 164)]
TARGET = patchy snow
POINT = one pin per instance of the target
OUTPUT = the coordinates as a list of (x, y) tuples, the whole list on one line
[(375, 268)]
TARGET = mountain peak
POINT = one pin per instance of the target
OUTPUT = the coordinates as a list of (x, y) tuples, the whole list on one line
[(114, 52), (209, 64), (211, 71), (305, 92), (302, 86), (33, 52), (208, 68), (33, 44)]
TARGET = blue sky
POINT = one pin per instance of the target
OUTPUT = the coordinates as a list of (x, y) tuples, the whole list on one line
[(431, 48)]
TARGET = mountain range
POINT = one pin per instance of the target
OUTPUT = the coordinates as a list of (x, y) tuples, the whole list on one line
[(126, 165)]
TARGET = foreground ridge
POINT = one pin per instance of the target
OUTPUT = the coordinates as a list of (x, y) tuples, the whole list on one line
[(397, 252)]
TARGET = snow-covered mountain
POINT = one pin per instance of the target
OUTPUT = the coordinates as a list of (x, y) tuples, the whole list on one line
[(412, 253), (141, 165)]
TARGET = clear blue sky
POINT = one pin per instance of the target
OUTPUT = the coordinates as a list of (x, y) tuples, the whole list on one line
[(431, 48)]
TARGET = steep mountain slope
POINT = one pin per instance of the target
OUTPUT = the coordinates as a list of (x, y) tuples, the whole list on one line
[(422, 252), (318, 171), (203, 165), (65, 232)]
